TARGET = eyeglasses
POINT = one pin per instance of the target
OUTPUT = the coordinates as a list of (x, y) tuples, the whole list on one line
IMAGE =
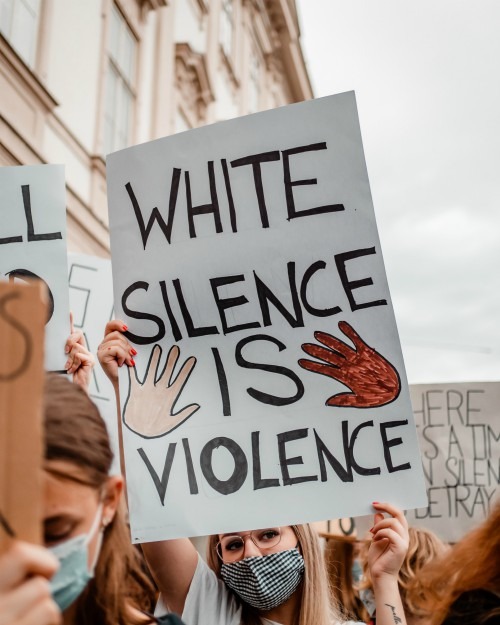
[(231, 548)]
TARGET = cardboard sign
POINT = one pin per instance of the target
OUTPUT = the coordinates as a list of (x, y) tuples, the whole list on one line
[(91, 302), (269, 387), (459, 432), (22, 320), (33, 244)]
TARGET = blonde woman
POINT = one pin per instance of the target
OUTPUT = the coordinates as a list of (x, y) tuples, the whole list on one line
[(269, 576)]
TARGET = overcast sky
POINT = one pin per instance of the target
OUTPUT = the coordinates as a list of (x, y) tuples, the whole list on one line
[(427, 80)]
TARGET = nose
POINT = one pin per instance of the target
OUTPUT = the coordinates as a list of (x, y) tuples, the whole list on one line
[(250, 549)]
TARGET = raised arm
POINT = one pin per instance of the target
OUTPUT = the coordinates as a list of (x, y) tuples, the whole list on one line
[(171, 562), (385, 557)]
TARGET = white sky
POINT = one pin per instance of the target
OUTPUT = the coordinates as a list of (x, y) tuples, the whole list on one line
[(427, 80)]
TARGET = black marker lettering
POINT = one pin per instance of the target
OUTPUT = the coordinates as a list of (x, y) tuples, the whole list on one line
[(289, 184), (351, 285)]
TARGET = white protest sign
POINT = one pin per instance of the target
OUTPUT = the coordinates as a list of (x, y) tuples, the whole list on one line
[(459, 432), (248, 251), (91, 302), (33, 243)]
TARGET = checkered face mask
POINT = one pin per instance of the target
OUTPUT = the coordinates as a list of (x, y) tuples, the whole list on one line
[(265, 582)]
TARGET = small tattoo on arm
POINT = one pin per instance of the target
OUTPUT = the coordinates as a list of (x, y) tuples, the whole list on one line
[(394, 615)]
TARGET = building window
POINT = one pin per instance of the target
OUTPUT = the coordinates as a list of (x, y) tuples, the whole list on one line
[(226, 27), (19, 25), (120, 93)]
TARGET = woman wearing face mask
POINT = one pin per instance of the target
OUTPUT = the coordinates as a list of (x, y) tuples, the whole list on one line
[(269, 576), (89, 568)]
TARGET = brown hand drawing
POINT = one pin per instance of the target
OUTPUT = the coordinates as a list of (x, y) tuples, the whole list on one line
[(372, 380), (149, 408)]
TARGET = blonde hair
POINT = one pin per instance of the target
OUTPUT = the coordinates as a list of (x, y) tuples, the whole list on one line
[(424, 547), (315, 602)]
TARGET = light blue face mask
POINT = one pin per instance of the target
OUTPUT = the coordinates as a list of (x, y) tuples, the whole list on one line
[(74, 574), (357, 571)]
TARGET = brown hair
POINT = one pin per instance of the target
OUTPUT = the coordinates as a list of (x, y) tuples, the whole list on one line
[(471, 564), (315, 603), (76, 433), (339, 557)]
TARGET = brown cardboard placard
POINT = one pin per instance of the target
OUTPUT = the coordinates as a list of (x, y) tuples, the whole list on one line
[(22, 321)]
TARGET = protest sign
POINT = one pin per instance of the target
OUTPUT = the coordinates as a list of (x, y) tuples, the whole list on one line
[(22, 320), (33, 244), (269, 386), (459, 433), (91, 302)]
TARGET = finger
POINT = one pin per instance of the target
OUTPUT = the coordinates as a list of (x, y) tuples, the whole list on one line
[(115, 351), (345, 399), (71, 325), (331, 372), (326, 355), (153, 362), (24, 559), (351, 333), (389, 523), (116, 342), (168, 369), (334, 344), (394, 511), (115, 325), (44, 613), (115, 336), (24, 597), (183, 376), (183, 415), (77, 336), (393, 537), (78, 356), (120, 344)]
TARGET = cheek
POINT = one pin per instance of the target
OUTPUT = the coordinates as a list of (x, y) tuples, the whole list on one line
[(289, 540), (93, 549)]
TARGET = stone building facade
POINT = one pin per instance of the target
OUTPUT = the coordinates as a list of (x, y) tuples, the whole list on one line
[(82, 78)]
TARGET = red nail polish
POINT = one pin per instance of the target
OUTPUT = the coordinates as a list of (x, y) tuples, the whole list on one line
[(375, 503), (371, 530), (132, 362), (133, 352), (124, 328)]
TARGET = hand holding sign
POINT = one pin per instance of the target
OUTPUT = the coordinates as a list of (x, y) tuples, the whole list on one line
[(25, 595), (389, 543), (372, 379), (115, 350), (80, 361), (149, 409)]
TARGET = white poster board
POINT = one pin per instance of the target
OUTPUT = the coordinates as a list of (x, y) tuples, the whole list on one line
[(248, 251), (91, 302), (459, 432), (33, 244)]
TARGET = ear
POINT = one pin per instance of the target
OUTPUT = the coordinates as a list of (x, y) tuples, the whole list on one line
[(112, 493)]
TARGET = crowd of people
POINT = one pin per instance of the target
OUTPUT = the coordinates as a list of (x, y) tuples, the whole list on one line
[(89, 573)]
